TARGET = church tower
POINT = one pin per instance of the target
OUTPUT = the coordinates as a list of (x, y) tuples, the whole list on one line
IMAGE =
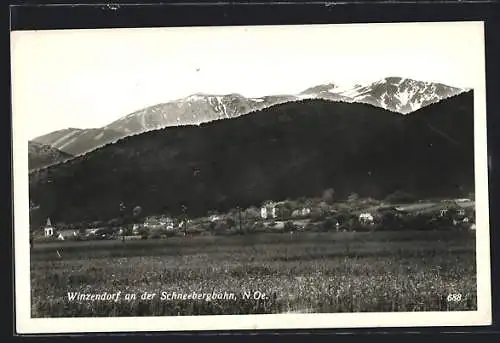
[(48, 230)]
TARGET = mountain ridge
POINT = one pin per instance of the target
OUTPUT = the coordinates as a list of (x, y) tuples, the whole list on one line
[(287, 150), (201, 107)]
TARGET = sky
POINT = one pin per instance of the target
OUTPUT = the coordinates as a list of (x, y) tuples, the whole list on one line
[(89, 78)]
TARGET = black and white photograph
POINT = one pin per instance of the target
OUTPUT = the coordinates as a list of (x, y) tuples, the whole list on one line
[(250, 177)]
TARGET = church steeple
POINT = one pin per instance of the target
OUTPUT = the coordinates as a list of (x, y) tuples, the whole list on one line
[(48, 229)]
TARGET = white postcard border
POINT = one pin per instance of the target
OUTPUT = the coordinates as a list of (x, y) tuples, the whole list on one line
[(27, 325)]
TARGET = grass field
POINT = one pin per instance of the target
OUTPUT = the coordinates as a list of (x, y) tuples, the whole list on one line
[(303, 272)]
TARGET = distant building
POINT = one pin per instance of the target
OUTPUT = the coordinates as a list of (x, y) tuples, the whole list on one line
[(305, 211), (366, 218), (301, 212), (65, 234), (136, 228), (169, 225), (453, 210), (159, 222), (268, 210), (48, 229)]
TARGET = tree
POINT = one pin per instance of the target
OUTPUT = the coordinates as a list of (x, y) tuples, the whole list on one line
[(115, 222), (283, 211), (143, 232), (290, 205), (353, 197), (34, 215), (328, 195), (240, 219), (323, 207), (472, 196), (317, 214), (230, 222), (136, 212), (252, 213)]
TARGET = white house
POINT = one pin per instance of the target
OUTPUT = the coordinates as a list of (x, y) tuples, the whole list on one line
[(304, 211), (48, 229), (169, 225), (268, 211), (366, 218), (135, 229), (154, 222)]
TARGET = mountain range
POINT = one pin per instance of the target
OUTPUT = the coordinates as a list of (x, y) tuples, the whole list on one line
[(401, 95), (395, 94), (287, 150)]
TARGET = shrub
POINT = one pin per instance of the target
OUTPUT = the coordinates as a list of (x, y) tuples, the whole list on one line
[(157, 233), (313, 227), (258, 227), (284, 212), (329, 224), (251, 213), (317, 215), (170, 233), (230, 222), (289, 227), (400, 197)]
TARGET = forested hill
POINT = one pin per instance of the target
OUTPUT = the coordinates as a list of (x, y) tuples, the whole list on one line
[(285, 151), (42, 155)]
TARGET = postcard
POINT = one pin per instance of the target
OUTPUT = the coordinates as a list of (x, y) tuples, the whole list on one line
[(250, 177)]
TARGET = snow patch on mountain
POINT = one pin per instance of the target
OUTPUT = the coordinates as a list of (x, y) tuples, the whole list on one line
[(397, 94)]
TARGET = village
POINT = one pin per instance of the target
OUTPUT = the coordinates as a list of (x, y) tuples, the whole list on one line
[(283, 216)]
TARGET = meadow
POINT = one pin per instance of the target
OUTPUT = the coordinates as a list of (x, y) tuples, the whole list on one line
[(302, 272)]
